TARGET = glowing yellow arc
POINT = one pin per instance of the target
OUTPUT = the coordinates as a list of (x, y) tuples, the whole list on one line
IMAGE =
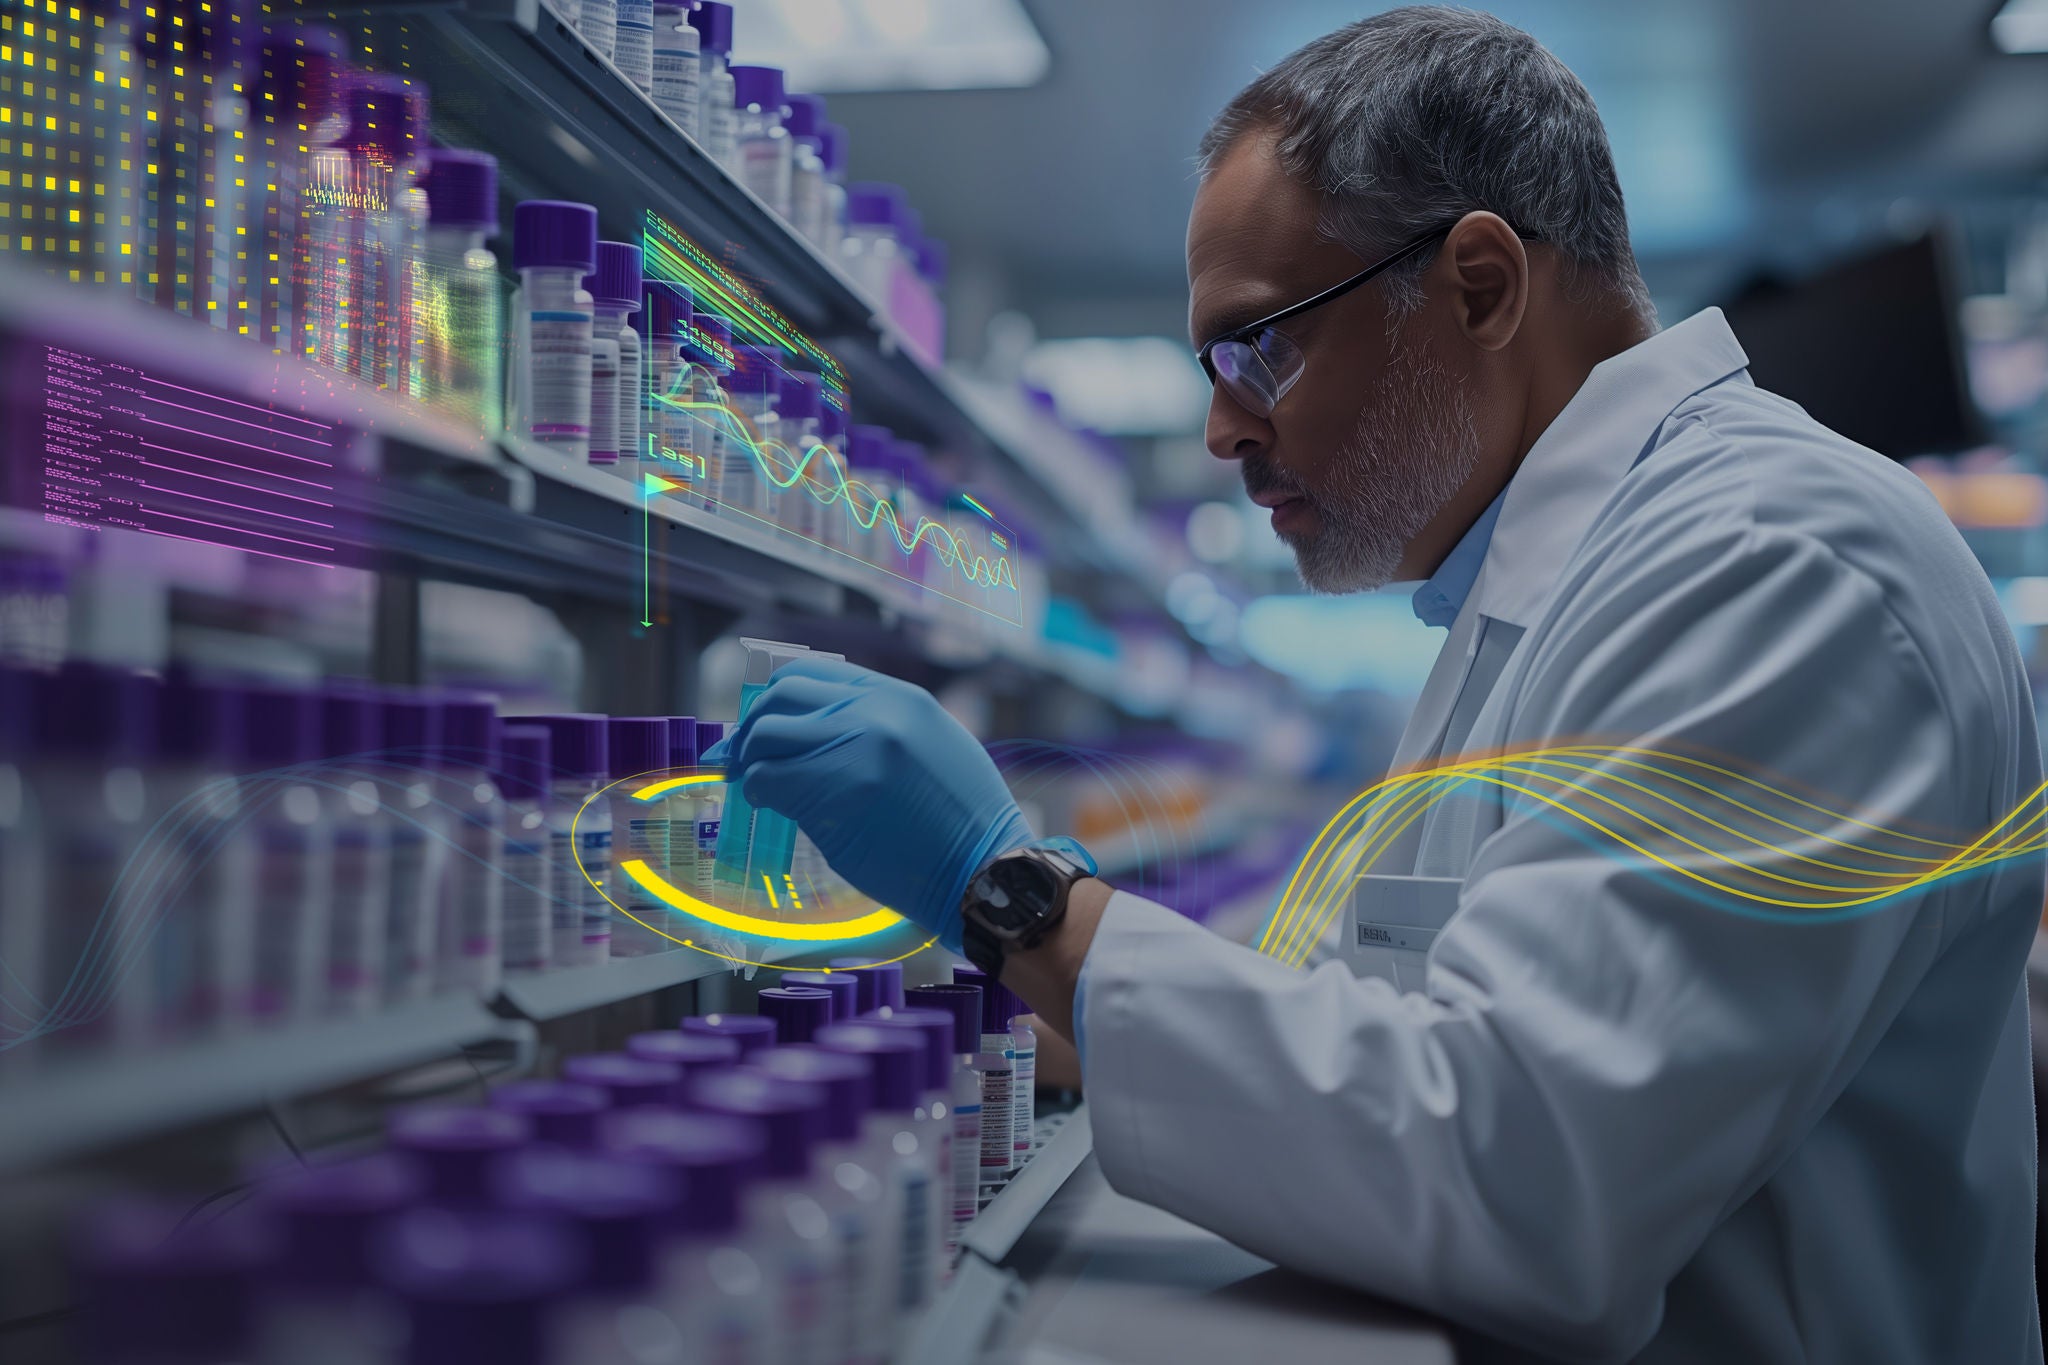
[(873, 922)]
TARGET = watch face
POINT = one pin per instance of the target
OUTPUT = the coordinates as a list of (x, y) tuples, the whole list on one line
[(1015, 893)]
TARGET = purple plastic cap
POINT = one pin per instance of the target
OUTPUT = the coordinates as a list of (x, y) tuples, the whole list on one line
[(751, 1031), (758, 85), (88, 711), (962, 1002), (847, 1079), (454, 1146), (709, 732), (351, 722), (805, 117), (618, 1208), (386, 117), (832, 418), (832, 149), (936, 1028), (616, 281), (554, 233), (710, 341), (798, 1011), (199, 722), (802, 398), (477, 1285), (682, 741), (792, 1114), (881, 983), (638, 744), (999, 1004), (559, 1111), (669, 311), (715, 1156), (163, 1288), (713, 22), (759, 369), (284, 727), (874, 203), (628, 1080), (580, 750), (324, 1214), (844, 987), (412, 726), (897, 1055), (692, 1052), (469, 731), (462, 189), (525, 762)]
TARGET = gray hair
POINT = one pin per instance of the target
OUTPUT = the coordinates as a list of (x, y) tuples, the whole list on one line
[(1406, 121)]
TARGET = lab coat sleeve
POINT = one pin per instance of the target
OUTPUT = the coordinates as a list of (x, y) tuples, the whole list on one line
[(1601, 1066)]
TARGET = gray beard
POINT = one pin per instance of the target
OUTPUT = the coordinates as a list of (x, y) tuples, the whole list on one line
[(1415, 446)]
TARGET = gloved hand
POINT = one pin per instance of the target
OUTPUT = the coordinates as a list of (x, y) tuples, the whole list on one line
[(903, 802)]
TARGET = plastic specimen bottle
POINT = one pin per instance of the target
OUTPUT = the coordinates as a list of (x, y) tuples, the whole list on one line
[(995, 1063), (467, 951), (829, 477), (709, 409), (525, 758), (198, 962), (754, 845), (419, 843), (804, 467), (677, 68), (870, 250), (963, 1005), (804, 120), (717, 129), (832, 212), (615, 288), (319, 1303), (579, 839), (785, 1219), (937, 1123), (710, 815), (671, 432), (348, 196), (405, 257), (633, 49), (598, 22), (748, 1032), (766, 164), (554, 245), (751, 450), (351, 733), (463, 310), (852, 1184), (710, 1278), (639, 755), (894, 1145), (294, 856)]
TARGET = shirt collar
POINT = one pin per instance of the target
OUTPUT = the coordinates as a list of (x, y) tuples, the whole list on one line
[(1442, 595), (1574, 465)]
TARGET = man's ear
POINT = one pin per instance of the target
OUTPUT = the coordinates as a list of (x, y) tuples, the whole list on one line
[(1484, 271)]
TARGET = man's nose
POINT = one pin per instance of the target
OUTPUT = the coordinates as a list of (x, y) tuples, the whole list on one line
[(1232, 432)]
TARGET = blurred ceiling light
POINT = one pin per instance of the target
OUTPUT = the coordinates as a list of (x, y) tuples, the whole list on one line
[(1189, 595), (1125, 386), (2022, 26), (1215, 532), (827, 46)]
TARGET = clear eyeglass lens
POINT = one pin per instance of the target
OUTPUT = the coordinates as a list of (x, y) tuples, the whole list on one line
[(1259, 372)]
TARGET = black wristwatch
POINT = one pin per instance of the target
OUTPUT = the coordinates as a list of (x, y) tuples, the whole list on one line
[(1014, 902)]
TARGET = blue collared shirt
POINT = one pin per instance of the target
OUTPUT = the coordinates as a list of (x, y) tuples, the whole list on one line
[(1442, 596)]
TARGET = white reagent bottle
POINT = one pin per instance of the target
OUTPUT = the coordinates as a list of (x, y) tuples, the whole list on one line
[(419, 844), (638, 751), (766, 160), (678, 66), (717, 124), (554, 245), (472, 896), (525, 753), (710, 409), (294, 857), (615, 288), (579, 839), (351, 731), (994, 1065), (805, 122)]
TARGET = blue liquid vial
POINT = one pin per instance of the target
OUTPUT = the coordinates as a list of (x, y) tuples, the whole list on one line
[(757, 844)]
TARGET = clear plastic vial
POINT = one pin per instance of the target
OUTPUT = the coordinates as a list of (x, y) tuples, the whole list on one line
[(615, 288), (753, 844), (638, 749), (832, 212), (962, 1004), (995, 1065), (709, 405), (472, 903), (464, 303), (678, 73), (744, 487), (804, 120), (805, 467), (294, 857), (198, 955), (717, 127), (938, 1124), (525, 758), (766, 159), (683, 804), (419, 844), (554, 245), (350, 733), (579, 839)]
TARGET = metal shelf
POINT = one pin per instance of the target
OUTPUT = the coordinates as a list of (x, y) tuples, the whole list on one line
[(542, 996), (76, 1106)]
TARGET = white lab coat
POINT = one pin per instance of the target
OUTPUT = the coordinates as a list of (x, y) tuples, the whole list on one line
[(1617, 1123)]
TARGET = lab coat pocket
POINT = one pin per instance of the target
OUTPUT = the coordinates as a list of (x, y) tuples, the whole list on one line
[(1393, 923)]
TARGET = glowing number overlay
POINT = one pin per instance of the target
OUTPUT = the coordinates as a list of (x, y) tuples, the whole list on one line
[(652, 882)]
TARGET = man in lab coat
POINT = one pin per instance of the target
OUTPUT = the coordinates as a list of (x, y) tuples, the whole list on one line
[(1587, 1115)]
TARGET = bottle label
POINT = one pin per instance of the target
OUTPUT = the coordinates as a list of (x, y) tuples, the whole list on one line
[(565, 888), (677, 75), (408, 937), (354, 933), (595, 846), (478, 893), (764, 169), (604, 401), (1024, 1100), (707, 852), (631, 394), (803, 1307), (914, 1265), (998, 1128), (599, 25), (284, 921), (647, 840), (967, 1127), (528, 927), (720, 127), (558, 382), (634, 46)]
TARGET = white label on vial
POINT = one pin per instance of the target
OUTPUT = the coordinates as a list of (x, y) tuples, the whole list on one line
[(647, 840), (283, 901), (966, 1176), (707, 852), (596, 850), (914, 1268), (998, 1129), (355, 915), (604, 400), (599, 25), (721, 125), (634, 46), (558, 385), (528, 929), (677, 75), (1024, 1100), (764, 169), (632, 394)]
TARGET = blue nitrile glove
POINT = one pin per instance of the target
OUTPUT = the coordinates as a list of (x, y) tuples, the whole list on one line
[(903, 802)]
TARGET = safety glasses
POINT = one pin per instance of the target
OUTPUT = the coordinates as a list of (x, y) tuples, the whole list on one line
[(1257, 364)]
